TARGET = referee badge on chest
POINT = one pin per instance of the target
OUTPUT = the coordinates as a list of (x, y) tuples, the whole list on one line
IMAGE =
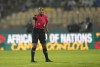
[(38, 23)]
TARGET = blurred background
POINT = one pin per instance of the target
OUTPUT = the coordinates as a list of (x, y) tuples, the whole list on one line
[(64, 15)]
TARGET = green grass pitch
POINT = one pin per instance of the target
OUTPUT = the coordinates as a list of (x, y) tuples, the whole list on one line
[(61, 58)]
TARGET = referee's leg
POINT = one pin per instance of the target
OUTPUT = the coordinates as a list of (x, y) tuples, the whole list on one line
[(34, 41), (43, 43), (33, 52)]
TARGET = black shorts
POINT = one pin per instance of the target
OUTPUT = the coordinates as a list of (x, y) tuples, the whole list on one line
[(38, 34)]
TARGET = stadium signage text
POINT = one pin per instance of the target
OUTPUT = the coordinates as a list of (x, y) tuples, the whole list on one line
[(54, 38), (16, 38), (52, 46), (55, 41)]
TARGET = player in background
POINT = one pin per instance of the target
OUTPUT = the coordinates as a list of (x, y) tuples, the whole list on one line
[(38, 33)]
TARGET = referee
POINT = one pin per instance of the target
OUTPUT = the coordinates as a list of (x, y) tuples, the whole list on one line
[(40, 27)]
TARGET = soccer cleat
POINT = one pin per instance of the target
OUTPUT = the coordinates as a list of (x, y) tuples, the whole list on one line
[(48, 60), (33, 61)]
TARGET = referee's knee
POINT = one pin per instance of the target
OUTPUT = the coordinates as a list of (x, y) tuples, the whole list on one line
[(44, 47), (34, 45)]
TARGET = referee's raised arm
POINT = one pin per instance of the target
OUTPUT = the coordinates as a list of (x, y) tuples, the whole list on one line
[(34, 17)]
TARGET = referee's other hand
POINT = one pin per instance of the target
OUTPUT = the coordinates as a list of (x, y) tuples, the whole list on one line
[(48, 35)]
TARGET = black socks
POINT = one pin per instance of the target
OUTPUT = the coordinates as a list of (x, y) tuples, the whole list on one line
[(45, 54), (32, 53)]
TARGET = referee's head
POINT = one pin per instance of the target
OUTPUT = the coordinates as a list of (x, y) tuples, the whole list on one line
[(41, 10)]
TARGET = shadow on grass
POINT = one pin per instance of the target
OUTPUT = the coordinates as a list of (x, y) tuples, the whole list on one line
[(89, 64), (61, 62), (56, 62)]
